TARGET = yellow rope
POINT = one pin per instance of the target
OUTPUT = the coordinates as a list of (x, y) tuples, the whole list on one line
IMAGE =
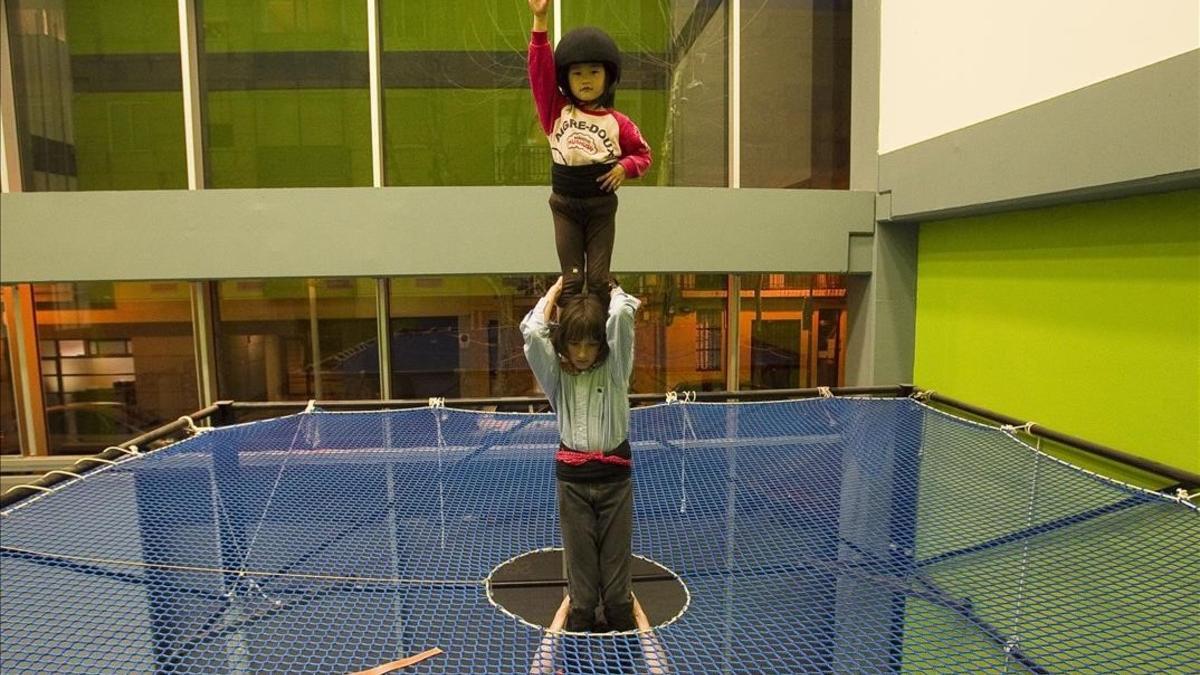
[(247, 573)]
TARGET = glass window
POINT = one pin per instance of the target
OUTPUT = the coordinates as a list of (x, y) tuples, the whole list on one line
[(680, 330), (459, 336), (297, 339), (287, 101), (97, 91), (113, 372), (673, 82), (457, 109), (793, 331), (795, 94), (709, 333)]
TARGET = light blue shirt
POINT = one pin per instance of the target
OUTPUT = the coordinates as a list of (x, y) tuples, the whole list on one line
[(593, 406)]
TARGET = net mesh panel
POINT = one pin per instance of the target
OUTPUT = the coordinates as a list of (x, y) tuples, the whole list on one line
[(836, 535)]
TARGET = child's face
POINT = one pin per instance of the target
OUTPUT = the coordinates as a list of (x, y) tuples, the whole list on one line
[(582, 353), (586, 80)]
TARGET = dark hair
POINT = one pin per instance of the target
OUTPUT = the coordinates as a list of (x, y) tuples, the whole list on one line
[(589, 45), (583, 317)]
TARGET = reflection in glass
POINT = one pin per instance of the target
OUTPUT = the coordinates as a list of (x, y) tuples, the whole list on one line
[(457, 106), (459, 336), (673, 82), (116, 360), (287, 102), (795, 93), (680, 332), (457, 109), (97, 91), (793, 331), (297, 339), (10, 442)]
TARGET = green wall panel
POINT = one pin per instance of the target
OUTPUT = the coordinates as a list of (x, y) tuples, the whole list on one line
[(123, 26), (130, 141), (300, 138), (1084, 318), (463, 137), (284, 25), (486, 136), (637, 26), (458, 25)]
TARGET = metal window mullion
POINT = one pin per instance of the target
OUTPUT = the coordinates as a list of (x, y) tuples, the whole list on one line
[(193, 122), (374, 60), (314, 335), (10, 155), (556, 28), (733, 322), (734, 85), (383, 314), (204, 341)]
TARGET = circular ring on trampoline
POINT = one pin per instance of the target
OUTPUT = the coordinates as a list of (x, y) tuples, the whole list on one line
[(529, 588)]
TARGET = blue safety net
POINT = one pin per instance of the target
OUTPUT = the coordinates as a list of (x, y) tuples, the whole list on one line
[(828, 535)]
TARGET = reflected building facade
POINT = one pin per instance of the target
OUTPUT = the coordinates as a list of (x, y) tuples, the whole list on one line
[(285, 102)]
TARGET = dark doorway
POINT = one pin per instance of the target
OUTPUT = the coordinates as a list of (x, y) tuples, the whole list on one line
[(775, 354), (425, 357)]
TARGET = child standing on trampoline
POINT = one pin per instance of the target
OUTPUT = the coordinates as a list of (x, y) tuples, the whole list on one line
[(584, 370), (593, 148)]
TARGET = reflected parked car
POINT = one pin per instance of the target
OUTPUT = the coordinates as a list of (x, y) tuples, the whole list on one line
[(88, 427)]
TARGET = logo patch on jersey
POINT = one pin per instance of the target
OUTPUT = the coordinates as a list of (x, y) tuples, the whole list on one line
[(581, 142)]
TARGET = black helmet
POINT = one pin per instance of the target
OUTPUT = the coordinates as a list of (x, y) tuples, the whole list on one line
[(588, 45)]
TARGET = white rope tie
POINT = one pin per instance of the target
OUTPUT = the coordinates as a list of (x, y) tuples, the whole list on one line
[(191, 426), (312, 404), (922, 395), (825, 392), (131, 450), (29, 486), (1012, 429), (681, 397), (437, 402), (100, 460), (1182, 495)]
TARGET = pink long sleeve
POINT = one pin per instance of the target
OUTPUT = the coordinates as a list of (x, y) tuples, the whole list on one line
[(543, 81), (635, 152)]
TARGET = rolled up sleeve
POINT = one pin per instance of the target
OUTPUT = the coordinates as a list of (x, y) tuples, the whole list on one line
[(619, 330)]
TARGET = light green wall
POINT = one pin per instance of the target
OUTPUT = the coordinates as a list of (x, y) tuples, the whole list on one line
[(1084, 318)]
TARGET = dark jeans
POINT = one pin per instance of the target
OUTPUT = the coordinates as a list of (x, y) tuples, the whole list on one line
[(584, 231), (597, 532)]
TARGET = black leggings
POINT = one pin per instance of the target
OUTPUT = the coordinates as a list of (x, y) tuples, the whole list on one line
[(584, 230)]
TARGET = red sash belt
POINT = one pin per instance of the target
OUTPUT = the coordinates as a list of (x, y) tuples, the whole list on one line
[(576, 458)]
